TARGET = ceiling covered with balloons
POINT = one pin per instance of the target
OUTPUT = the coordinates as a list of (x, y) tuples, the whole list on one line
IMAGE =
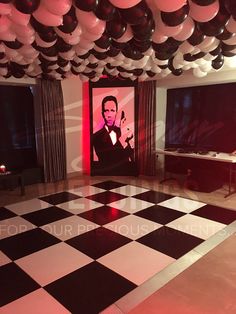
[(144, 39)]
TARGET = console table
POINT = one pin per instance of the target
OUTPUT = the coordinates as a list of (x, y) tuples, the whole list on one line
[(9, 178), (229, 159)]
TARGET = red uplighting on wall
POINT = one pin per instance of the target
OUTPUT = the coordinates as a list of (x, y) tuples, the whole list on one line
[(86, 129)]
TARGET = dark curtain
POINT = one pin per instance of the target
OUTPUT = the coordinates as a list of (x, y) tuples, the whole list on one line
[(50, 129), (146, 128)]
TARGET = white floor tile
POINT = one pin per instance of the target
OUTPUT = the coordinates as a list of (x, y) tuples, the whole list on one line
[(4, 259), (70, 227), (12, 226), (129, 190), (136, 262), (197, 226), (132, 227), (37, 302), (130, 205), (86, 190), (47, 265), (182, 204), (28, 206), (79, 206)]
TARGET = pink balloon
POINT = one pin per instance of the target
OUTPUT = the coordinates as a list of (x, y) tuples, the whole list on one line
[(57, 7), (5, 9), (18, 17), (124, 4), (186, 31), (169, 31), (169, 5), (43, 16), (158, 37), (4, 24), (87, 19), (231, 25), (203, 13), (128, 34)]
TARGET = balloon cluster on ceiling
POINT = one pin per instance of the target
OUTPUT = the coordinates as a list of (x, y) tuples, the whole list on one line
[(55, 39)]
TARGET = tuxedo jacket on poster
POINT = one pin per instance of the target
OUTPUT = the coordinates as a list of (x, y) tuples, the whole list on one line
[(107, 152)]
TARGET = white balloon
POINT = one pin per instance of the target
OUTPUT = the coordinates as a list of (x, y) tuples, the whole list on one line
[(231, 25), (5, 9), (68, 55), (169, 5), (40, 42), (124, 4), (19, 17), (198, 73), (43, 16), (5, 24), (57, 7), (87, 19)]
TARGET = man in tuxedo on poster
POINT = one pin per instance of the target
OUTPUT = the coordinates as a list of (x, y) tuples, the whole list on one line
[(114, 150)]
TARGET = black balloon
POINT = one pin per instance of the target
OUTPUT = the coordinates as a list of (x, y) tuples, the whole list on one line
[(75, 64), (132, 53), (62, 46), (27, 6), (224, 35), (112, 51), (92, 65), (135, 14), (49, 37), (69, 21), (73, 71), (116, 28), (62, 62), (86, 5), (230, 6), (2, 55), (151, 74), (211, 29), (40, 28), (175, 18), (203, 2), (5, 1), (105, 10), (144, 30), (218, 62), (13, 44), (104, 41), (197, 36), (216, 51), (189, 57)]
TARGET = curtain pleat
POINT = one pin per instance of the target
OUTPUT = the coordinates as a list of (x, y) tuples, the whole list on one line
[(50, 130), (146, 128)]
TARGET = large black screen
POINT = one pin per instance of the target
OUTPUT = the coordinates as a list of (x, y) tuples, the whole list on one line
[(202, 118), (17, 132)]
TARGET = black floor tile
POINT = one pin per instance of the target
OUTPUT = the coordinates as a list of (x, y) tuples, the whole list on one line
[(171, 242), (14, 283), (46, 215), (26, 243), (153, 197), (98, 242), (219, 214), (89, 289), (6, 213), (59, 198), (159, 214), (103, 215), (109, 185), (106, 197)]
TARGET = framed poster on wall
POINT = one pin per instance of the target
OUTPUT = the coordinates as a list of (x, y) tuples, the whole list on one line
[(113, 127)]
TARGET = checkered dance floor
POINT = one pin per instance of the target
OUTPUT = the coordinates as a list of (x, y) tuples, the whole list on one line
[(81, 250)]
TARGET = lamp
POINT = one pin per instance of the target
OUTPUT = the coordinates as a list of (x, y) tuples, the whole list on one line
[(2, 168)]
